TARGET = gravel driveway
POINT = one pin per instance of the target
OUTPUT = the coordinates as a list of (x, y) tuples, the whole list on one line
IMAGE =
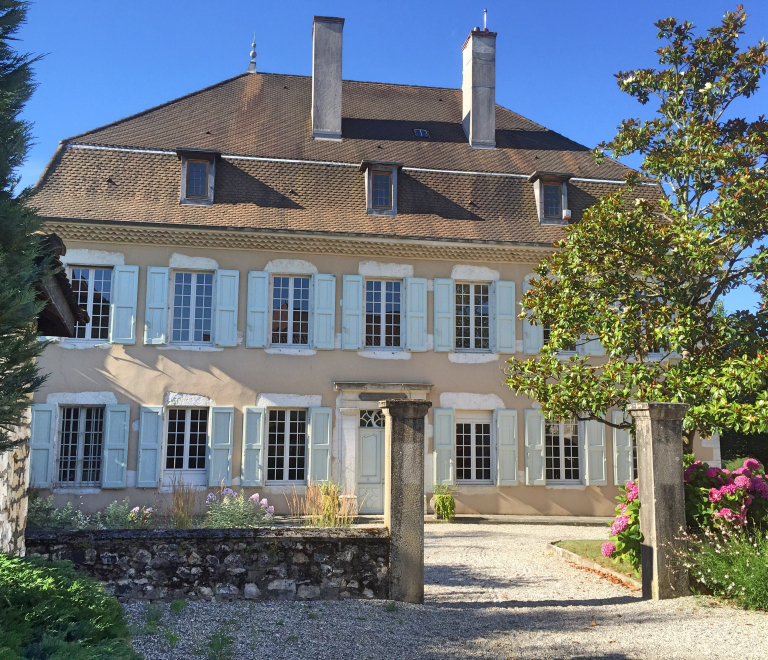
[(491, 592)]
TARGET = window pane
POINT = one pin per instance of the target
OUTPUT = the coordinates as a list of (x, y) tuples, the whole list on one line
[(300, 310), (297, 446), (372, 313), (483, 452), (198, 438), (197, 179), (280, 294), (382, 190), (392, 319), (552, 449), (70, 427), (80, 277), (463, 451), (570, 450), (463, 316), (102, 295), (174, 454), (552, 201), (182, 305), (93, 436), (203, 307), (371, 419), (482, 316), (276, 446)]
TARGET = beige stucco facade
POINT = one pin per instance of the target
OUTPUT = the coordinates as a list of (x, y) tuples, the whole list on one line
[(84, 373)]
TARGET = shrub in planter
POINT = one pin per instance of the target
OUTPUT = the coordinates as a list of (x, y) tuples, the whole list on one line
[(48, 610), (445, 504), (233, 510)]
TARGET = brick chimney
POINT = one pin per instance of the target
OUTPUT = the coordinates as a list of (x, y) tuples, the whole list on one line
[(326, 77), (478, 89)]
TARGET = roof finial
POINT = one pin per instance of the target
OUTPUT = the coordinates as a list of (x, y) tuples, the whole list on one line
[(485, 19), (252, 64)]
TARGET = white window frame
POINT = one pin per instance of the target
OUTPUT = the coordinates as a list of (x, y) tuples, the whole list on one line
[(286, 445), (192, 476), (392, 171), (310, 311), (472, 316), (172, 308), (475, 417), (89, 303), (382, 332), (80, 451), (580, 456)]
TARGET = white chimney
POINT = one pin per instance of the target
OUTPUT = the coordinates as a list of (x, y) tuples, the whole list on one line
[(478, 89), (326, 77)]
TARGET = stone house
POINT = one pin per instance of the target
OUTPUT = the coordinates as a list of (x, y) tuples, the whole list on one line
[(265, 259)]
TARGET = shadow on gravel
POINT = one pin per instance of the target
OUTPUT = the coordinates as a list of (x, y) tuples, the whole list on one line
[(468, 576), (483, 604)]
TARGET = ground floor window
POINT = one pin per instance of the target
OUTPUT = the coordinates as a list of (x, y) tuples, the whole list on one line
[(473, 450), (80, 447), (187, 439), (562, 451), (287, 445)]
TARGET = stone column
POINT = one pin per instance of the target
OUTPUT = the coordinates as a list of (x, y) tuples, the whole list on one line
[(659, 437), (404, 496)]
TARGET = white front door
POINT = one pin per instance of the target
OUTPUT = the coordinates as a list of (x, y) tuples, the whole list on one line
[(370, 471)]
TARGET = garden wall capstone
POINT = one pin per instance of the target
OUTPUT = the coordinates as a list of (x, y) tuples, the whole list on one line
[(226, 564), (13, 499)]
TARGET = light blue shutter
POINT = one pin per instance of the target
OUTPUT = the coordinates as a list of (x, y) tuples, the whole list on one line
[(534, 448), (252, 468), (623, 463), (257, 309), (114, 462), (122, 308), (156, 311), (325, 312), (415, 314), (443, 302), (443, 446), (150, 446), (594, 444), (319, 450), (352, 313), (533, 335), (227, 292), (220, 446), (504, 309), (41, 434), (506, 442)]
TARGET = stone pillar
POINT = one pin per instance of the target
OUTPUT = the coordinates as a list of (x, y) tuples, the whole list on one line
[(659, 437), (404, 496)]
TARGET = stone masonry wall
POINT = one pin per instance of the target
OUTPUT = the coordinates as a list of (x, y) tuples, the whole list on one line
[(226, 564), (13, 499)]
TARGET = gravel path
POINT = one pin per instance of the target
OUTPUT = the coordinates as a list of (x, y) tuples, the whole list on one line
[(491, 592)]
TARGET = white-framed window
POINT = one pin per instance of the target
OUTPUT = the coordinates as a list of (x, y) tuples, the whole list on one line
[(562, 452), (552, 193), (290, 310), (81, 442), (286, 445), (93, 288), (383, 314), (474, 448), (473, 316), (192, 321), (186, 439)]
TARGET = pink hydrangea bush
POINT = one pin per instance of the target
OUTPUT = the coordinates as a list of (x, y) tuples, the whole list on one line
[(625, 530)]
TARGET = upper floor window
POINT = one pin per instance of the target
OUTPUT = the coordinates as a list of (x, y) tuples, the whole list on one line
[(192, 308), (198, 173), (93, 288), (551, 192), (197, 178), (287, 445), (186, 439), (383, 304), (290, 310), (382, 190), (473, 450), (563, 458), (473, 316), (380, 187), (552, 198), (80, 445)]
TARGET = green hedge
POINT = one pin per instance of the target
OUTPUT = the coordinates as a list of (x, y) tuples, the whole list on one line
[(48, 611), (743, 445)]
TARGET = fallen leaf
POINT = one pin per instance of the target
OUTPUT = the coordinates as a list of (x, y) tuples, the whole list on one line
[(593, 623)]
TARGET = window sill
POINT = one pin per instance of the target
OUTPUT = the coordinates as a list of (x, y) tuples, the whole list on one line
[(290, 350), (468, 484), (383, 212), (553, 221), (376, 354), (191, 201), (470, 357), (565, 486), (61, 489), (189, 347), (284, 487), (68, 342)]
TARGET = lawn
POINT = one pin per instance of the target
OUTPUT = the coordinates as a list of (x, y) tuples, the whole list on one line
[(591, 550)]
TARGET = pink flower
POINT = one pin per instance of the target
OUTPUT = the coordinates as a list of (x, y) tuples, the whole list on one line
[(712, 472), (726, 471), (632, 494), (135, 509), (619, 525), (742, 482), (758, 484), (254, 497), (608, 549), (725, 512), (264, 503), (729, 489), (743, 471), (715, 495), (748, 500), (752, 464)]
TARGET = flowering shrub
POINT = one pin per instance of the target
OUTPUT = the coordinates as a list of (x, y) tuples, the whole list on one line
[(142, 517), (233, 510), (625, 529)]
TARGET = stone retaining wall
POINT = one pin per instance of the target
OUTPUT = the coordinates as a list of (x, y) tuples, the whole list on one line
[(13, 499), (226, 564)]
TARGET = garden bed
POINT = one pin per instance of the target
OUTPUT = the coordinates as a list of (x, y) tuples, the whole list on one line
[(587, 553)]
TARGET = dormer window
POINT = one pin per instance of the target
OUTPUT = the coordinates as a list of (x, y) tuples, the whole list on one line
[(198, 173), (552, 195), (421, 133), (551, 192), (380, 187)]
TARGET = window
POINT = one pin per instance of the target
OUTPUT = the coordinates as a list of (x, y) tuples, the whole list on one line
[(197, 178), (562, 451), (192, 307), (473, 317), (547, 331), (382, 313), (80, 446), (382, 189), (473, 451), (187, 440), (371, 419), (552, 198), (93, 288), (421, 133), (287, 445), (290, 310)]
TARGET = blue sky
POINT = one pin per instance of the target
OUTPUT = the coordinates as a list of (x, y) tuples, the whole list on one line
[(555, 61)]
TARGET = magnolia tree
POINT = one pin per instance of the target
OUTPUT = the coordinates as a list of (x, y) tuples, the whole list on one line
[(645, 273)]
